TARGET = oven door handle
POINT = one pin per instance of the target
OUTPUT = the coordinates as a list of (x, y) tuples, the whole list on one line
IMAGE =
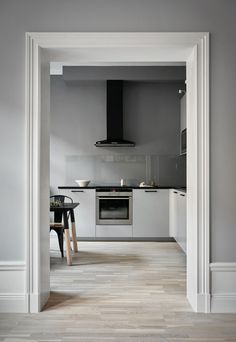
[(113, 197)]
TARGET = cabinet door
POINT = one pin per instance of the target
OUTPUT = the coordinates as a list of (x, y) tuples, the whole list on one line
[(182, 221), (173, 213), (85, 213), (150, 213)]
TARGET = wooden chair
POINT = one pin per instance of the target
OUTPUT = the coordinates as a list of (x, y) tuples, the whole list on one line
[(58, 226)]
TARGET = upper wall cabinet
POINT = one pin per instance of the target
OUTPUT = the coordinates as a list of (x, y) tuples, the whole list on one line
[(183, 123)]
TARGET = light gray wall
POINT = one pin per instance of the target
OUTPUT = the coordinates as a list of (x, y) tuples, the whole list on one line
[(78, 120), (215, 16)]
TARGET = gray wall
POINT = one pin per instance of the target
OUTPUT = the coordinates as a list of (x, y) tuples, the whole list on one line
[(78, 120), (133, 73), (215, 16)]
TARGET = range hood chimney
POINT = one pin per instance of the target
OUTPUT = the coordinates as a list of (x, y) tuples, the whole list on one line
[(114, 117)]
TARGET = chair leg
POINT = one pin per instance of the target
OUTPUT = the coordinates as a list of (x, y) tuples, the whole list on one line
[(60, 240), (68, 248), (73, 230)]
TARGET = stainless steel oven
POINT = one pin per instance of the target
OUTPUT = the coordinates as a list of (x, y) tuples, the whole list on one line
[(114, 206)]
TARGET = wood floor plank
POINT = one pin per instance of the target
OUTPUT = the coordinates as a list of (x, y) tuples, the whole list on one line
[(119, 291)]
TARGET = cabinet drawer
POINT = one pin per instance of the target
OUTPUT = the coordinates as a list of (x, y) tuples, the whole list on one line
[(114, 231)]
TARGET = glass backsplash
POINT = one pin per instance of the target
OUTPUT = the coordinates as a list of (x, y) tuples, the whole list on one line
[(163, 170)]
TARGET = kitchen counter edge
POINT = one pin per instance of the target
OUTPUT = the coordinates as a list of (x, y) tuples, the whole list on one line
[(120, 187)]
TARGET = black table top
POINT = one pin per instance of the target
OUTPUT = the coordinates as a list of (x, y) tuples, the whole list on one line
[(64, 207)]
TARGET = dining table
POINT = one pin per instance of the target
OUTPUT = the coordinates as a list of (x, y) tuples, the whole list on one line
[(64, 209)]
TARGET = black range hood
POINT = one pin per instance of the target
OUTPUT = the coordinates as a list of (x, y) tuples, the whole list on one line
[(114, 117)]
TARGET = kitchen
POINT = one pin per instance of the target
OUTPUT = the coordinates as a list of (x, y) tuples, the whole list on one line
[(137, 189)]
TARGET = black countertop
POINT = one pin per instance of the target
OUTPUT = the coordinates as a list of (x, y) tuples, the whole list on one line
[(181, 189), (119, 187)]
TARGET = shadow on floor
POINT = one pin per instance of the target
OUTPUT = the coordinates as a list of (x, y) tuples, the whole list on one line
[(91, 258)]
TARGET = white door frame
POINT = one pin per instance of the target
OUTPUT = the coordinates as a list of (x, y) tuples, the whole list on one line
[(112, 49)]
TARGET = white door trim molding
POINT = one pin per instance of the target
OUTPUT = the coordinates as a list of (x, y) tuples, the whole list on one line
[(102, 48)]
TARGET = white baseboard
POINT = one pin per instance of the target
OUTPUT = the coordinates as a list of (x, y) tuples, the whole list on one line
[(17, 303), (223, 287), (225, 303), (13, 296)]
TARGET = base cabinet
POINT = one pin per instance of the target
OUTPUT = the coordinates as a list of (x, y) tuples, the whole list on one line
[(173, 213), (85, 219), (150, 213), (157, 213), (178, 218), (114, 231), (182, 224)]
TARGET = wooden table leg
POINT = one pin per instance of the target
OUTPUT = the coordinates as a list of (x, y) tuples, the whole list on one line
[(67, 240), (73, 230)]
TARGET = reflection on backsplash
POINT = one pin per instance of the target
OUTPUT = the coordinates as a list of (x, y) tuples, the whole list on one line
[(163, 170)]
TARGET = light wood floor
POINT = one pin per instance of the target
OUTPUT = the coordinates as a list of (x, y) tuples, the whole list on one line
[(119, 291)]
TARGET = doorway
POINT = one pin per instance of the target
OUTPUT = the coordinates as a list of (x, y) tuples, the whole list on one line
[(117, 49)]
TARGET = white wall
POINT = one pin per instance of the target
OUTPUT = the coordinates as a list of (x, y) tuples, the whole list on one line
[(78, 120), (215, 16)]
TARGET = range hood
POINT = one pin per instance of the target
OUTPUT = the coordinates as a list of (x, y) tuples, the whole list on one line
[(114, 117)]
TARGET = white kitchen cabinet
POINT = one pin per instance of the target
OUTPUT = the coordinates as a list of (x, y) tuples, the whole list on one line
[(182, 221), (178, 217), (85, 213), (173, 213), (150, 213), (114, 231)]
